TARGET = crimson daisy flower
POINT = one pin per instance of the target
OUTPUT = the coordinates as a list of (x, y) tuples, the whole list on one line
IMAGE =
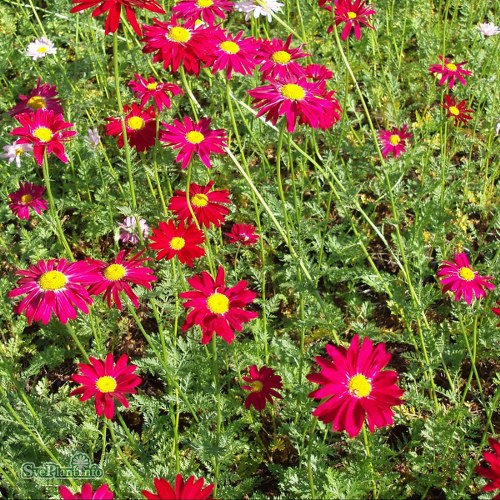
[(181, 240), (353, 13), (140, 125), (112, 278), (243, 233), (192, 489), (448, 71), (261, 384), (114, 7), (43, 96), (102, 493), (53, 287), (194, 137), (205, 10), (493, 471), (27, 196), (496, 310), (151, 89), (106, 381), (297, 99), (217, 308), (317, 72), (460, 278), (206, 204), (355, 387), (457, 110), (277, 59), (393, 141), (46, 131)]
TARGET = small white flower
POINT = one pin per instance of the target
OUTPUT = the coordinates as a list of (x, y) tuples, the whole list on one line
[(93, 139), (14, 151), (258, 8), (40, 48), (488, 29), (128, 230)]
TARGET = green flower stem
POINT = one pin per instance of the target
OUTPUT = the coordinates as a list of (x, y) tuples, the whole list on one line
[(368, 454), (195, 105), (310, 472), (77, 342), (215, 370), (103, 450), (155, 166), (280, 184), (133, 442)]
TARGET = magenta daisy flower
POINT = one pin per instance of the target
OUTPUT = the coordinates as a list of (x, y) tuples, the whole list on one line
[(43, 96), (191, 489), (151, 89), (205, 10), (394, 141), (353, 13), (106, 381), (102, 493), (492, 471), (447, 71), (460, 278), (496, 310), (262, 385), (194, 137), (113, 278), (27, 196), (53, 287), (457, 110), (243, 233), (317, 72), (354, 387), (46, 131), (217, 308)]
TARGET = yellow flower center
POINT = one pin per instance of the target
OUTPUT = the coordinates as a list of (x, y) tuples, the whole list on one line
[(199, 200), (218, 303), (178, 34), (454, 110), (26, 198), (466, 273), (41, 49), (194, 137), (177, 243), (19, 151), (394, 139), (136, 123), (281, 57), (293, 91), (152, 86), (256, 385), (352, 15), (114, 272), (451, 66), (106, 384), (230, 47), (52, 280), (204, 3), (44, 134), (36, 102), (359, 386)]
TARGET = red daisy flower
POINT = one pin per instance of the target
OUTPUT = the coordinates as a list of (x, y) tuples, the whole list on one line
[(205, 10), (296, 99), (43, 96), (183, 241), (27, 196), (317, 72), (106, 381), (46, 131), (261, 384), (243, 233), (191, 137), (216, 308), (394, 141), (448, 71), (353, 13), (232, 53), (356, 387), (192, 489), (496, 310), (493, 471), (460, 278), (55, 286), (277, 59), (115, 277), (151, 89), (114, 7), (457, 110), (206, 204), (140, 125), (102, 493)]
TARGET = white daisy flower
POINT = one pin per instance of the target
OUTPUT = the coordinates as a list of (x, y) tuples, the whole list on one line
[(14, 151), (258, 8), (40, 48), (488, 29)]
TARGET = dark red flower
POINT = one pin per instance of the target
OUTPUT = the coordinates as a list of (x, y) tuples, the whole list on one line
[(447, 71), (457, 110), (353, 13), (192, 489), (43, 96), (204, 10), (493, 471), (261, 384), (243, 233), (102, 493), (27, 196), (496, 310), (151, 89)]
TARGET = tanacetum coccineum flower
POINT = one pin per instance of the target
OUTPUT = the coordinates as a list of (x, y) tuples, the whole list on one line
[(447, 71), (393, 141), (46, 131), (205, 10), (193, 137), (353, 13), (243, 233), (206, 204), (460, 278), (102, 493), (53, 287), (43, 96), (192, 489), (355, 387), (27, 196), (114, 8), (106, 381), (262, 385), (151, 89), (217, 308), (114, 277), (492, 472), (496, 310), (457, 110)]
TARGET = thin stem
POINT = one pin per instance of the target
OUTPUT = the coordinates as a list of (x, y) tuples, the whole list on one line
[(368, 454)]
